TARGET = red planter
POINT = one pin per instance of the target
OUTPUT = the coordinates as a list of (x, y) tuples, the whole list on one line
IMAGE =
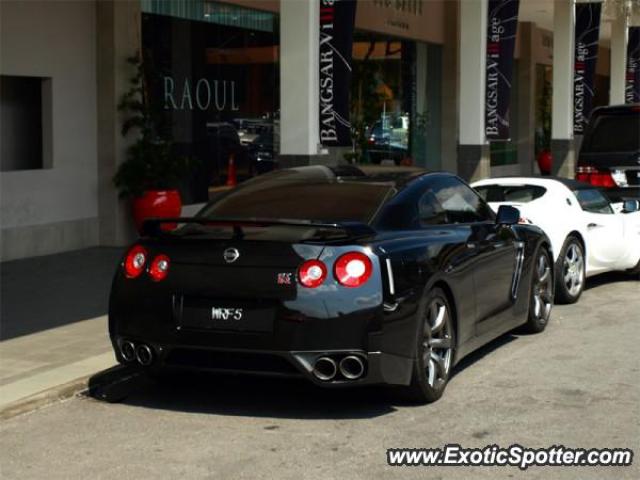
[(544, 162), (157, 204)]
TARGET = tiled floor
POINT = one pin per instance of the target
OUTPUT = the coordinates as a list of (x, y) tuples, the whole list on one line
[(32, 354), (47, 292)]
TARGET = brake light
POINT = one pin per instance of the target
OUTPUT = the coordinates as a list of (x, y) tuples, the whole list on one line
[(595, 177), (352, 269), (159, 268), (583, 173), (312, 273), (135, 261)]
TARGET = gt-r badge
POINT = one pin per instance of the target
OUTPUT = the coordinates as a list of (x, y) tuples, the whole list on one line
[(230, 255), (284, 279)]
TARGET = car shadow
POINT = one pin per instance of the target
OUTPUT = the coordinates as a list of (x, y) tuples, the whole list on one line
[(268, 397), (608, 278), (236, 395)]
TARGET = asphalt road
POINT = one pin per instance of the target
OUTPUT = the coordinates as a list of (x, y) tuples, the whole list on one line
[(577, 384)]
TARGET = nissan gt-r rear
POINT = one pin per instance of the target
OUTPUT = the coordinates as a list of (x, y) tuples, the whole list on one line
[(333, 276)]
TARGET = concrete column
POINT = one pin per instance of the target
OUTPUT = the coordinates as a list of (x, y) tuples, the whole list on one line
[(526, 99), (562, 144), (299, 77), (619, 33), (473, 151), (118, 37)]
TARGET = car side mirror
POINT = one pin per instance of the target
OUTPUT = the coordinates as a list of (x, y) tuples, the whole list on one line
[(630, 206), (507, 215)]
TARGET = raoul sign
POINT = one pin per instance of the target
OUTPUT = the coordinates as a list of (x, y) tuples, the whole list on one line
[(201, 94), (337, 18), (501, 36), (585, 57)]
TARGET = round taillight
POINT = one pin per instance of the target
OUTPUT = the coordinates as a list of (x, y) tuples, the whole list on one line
[(135, 261), (159, 268), (312, 273), (352, 269)]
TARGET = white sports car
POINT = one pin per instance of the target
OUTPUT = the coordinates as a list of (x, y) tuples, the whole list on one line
[(588, 234)]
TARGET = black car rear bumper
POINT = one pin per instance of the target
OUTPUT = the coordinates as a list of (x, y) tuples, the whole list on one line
[(378, 368), (282, 329)]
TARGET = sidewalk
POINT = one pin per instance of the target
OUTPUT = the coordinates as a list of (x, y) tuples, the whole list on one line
[(53, 324), (32, 364)]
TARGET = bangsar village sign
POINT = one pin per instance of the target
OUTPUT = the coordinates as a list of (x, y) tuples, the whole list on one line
[(204, 94)]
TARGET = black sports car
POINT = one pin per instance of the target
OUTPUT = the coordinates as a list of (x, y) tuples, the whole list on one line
[(333, 275)]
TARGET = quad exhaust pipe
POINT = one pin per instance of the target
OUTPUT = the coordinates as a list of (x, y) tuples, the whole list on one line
[(141, 353), (325, 369), (144, 355), (351, 367), (128, 351)]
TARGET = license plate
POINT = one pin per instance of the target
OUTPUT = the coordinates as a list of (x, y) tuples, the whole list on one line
[(223, 313), (210, 315)]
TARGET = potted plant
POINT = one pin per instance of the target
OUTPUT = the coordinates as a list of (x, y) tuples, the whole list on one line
[(150, 174)]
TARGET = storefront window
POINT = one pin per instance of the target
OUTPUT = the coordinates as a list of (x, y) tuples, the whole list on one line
[(506, 153), (395, 106), (543, 108), (215, 74)]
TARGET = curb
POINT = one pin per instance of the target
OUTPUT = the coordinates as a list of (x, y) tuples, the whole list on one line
[(97, 385), (42, 399)]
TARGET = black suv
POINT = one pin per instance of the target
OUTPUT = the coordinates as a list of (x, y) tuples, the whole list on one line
[(610, 151)]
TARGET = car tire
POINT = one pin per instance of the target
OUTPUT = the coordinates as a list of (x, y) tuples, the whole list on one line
[(570, 271), (434, 349), (635, 271), (541, 294)]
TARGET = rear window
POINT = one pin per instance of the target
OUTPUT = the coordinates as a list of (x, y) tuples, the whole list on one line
[(281, 199), (593, 200), (614, 133), (511, 193)]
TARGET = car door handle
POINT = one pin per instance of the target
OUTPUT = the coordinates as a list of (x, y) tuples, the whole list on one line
[(472, 245), (594, 225)]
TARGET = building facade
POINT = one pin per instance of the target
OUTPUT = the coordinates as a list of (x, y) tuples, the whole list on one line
[(246, 71)]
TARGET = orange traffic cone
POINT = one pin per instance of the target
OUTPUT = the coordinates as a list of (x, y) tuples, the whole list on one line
[(232, 179)]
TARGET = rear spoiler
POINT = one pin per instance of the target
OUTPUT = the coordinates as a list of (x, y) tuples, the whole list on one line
[(153, 227)]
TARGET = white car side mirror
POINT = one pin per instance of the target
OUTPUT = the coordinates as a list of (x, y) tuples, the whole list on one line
[(630, 206)]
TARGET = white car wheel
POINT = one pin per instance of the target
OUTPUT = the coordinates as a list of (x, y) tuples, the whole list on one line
[(570, 277)]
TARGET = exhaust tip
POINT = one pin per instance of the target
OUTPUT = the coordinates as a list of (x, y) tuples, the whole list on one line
[(128, 351), (144, 355), (325, 368), (351, 367)]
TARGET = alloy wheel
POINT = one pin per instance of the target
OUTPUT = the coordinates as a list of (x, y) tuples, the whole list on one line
[(437, 344), (573, 269), (542, 289)]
